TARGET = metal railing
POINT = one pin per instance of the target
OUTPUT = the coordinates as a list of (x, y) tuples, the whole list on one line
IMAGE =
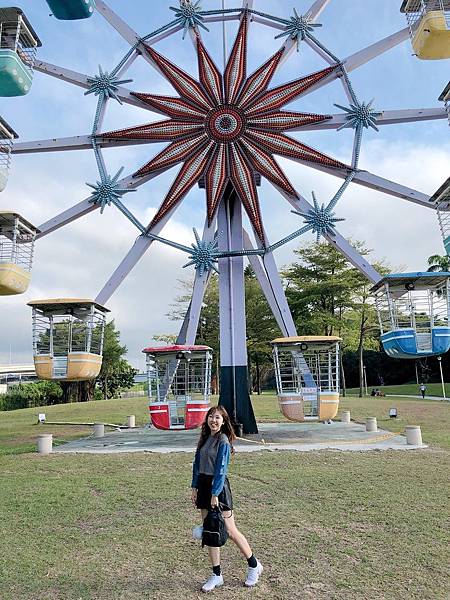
[(183, 379), (419, 309), (58, 335)]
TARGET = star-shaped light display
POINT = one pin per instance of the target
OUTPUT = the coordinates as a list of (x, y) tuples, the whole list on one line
[(226, 128), (320, 219), (189, 16), (204, 254), (298, 27), (360, 114), (107, 190), (105, 84)]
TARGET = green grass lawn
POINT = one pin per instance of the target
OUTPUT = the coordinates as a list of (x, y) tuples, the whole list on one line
[(326, 525)]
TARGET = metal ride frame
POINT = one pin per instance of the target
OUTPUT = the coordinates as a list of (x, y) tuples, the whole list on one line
[(224, 240)]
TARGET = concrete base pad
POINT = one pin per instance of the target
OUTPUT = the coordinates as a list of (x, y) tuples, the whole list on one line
[(303, 437)]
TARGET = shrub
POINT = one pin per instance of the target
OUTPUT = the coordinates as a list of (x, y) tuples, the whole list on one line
[(27, 395)]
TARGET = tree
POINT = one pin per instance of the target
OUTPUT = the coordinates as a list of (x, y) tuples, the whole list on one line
[(167, 338), (120, 377), (319, 289), (261, 325), (436, 262), (328, 296), (261, 329), (116, 374)]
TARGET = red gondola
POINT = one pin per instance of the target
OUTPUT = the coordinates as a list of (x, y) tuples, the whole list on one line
[(179, 383)]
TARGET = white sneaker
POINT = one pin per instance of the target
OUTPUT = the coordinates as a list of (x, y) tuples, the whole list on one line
[(253, 574), (212, 582)]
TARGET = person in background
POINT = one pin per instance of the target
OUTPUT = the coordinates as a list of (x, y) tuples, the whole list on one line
[(423, 389)]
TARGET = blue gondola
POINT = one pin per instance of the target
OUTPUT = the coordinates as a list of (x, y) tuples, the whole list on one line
[(413, 310), (18, 44), (70, 10)]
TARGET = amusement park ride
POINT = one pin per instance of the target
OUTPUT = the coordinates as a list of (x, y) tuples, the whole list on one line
[(224, 128)]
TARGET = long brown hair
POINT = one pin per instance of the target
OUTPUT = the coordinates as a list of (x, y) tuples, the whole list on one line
[(227, 427)]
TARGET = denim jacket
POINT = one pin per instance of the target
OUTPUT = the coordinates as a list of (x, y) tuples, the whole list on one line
[(220, 468)]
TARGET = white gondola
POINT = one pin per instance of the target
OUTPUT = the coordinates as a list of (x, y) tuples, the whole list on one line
[(307, 376), (68, 338), (445, 98), (413, 311), (16, 253), (429, 27), (7, 135), (441, 198)]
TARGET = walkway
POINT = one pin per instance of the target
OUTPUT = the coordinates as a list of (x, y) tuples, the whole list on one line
[(303, 437)]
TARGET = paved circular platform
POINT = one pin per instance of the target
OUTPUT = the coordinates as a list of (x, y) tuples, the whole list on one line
[(303, 437)]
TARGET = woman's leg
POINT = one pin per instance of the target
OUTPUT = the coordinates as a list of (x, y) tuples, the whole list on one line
[(213, 553), (235, 535), (255, 568)]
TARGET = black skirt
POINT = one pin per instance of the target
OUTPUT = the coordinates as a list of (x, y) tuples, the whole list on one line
[(204, 493)]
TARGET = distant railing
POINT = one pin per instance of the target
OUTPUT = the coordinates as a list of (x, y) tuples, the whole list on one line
[(132, 394)]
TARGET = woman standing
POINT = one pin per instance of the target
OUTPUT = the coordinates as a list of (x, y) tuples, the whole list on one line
[(210, 488)]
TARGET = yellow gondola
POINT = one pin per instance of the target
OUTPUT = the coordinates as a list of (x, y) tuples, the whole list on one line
[(16, 253), (307, 376), (68, 338), (429, 25)]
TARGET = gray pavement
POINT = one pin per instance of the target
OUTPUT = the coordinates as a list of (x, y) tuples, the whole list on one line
[(303, 437)]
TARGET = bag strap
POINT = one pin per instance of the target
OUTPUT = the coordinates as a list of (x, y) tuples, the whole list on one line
[(221, 510)]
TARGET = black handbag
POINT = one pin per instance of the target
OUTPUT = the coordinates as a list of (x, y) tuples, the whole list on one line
[(214, 530)]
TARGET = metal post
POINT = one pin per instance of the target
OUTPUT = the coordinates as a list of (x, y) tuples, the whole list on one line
[(234, 394), (365, 379), (417, 373), (442, 377)]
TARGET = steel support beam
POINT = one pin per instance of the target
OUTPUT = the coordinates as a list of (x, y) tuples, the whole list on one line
[(367, 54), (81, 80), (278, 291), (388, 117), (188, 331), (84, 207), (136, 252), (67, 216), (302, 205), (361, 57), (77, 142), (374, 182), (128, 34), (314, 11), (273, 291), (234, 394), (83, 142)]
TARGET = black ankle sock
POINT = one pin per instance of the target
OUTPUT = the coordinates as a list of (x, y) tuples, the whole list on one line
[(252, 561), (216, 570)]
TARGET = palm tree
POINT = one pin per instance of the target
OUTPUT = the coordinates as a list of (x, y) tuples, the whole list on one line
[(438, 263)]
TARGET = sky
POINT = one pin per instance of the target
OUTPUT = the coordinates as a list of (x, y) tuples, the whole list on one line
[(78, 259)]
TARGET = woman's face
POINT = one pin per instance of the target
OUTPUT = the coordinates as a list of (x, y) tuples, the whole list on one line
[(215, 421)]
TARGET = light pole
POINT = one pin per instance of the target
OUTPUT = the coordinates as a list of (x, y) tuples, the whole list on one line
[(365, 379), (442, 377)]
